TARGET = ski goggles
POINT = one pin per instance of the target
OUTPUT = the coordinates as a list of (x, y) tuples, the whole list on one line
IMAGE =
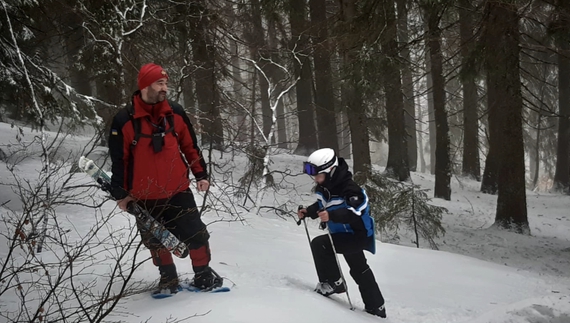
[(311, 169)]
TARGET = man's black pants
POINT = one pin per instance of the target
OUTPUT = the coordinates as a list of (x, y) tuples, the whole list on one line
[(180, 216)]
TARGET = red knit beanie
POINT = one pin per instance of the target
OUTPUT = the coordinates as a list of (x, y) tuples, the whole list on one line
[(149, 74)]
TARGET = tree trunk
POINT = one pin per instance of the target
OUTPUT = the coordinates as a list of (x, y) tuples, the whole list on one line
[(74, 43), (252, 128), (324, 100), (536, 156), (562, 174), (442, 160), (470, 164), (305, 112), (107, 85), (489, 182), (206, 86), (281, 125), (259, 54), (431, 114), (186, 83), (501, 37), (408, 85), (276, 75), (397, 164), (79, 77), (190, 100), (237, 86), (344, 135), (420, 138), (352, 92), (104, 91)]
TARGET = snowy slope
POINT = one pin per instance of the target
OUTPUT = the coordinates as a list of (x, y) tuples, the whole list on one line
[(267, 262), (469, 231), (270, 264)]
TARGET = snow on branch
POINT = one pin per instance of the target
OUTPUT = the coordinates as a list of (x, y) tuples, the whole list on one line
[(41, 81), (271, 88), (123, 15), (263, 152), (21, 59)]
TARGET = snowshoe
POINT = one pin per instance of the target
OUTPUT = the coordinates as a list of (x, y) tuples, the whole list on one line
[(206, 280), (168, 284), (165, 292)]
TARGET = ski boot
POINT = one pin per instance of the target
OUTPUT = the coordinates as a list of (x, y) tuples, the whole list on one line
[(327, 288), (380, 311)]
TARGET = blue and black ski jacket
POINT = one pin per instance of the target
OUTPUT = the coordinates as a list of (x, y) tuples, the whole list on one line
[(346, 203)]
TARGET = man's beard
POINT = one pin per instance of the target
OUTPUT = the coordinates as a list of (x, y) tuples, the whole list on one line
[(157, 96)]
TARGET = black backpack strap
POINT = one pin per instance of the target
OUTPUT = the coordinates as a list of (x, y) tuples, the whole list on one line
[(136, 126), (137, 129), (170, 120)]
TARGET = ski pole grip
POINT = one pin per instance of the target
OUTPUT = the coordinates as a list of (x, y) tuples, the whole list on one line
[(300, 207)]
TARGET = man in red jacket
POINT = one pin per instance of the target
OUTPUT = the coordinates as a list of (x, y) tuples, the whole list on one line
[(153, 148)]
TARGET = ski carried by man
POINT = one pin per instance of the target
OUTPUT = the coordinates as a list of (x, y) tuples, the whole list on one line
[(168, 240)]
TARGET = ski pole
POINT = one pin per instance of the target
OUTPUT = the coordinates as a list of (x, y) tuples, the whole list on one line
[(323, 226), (304, 222), (308, 236)]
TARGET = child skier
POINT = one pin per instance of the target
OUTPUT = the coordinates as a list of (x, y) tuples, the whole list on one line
[(343, 205)]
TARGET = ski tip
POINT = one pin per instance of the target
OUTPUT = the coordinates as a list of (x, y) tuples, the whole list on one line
[(82, 162), (87, 165)]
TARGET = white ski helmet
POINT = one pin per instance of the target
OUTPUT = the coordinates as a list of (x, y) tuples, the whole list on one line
[(320, 161)]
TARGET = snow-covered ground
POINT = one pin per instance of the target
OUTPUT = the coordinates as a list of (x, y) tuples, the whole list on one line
[(479, 275), (469, 232)]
